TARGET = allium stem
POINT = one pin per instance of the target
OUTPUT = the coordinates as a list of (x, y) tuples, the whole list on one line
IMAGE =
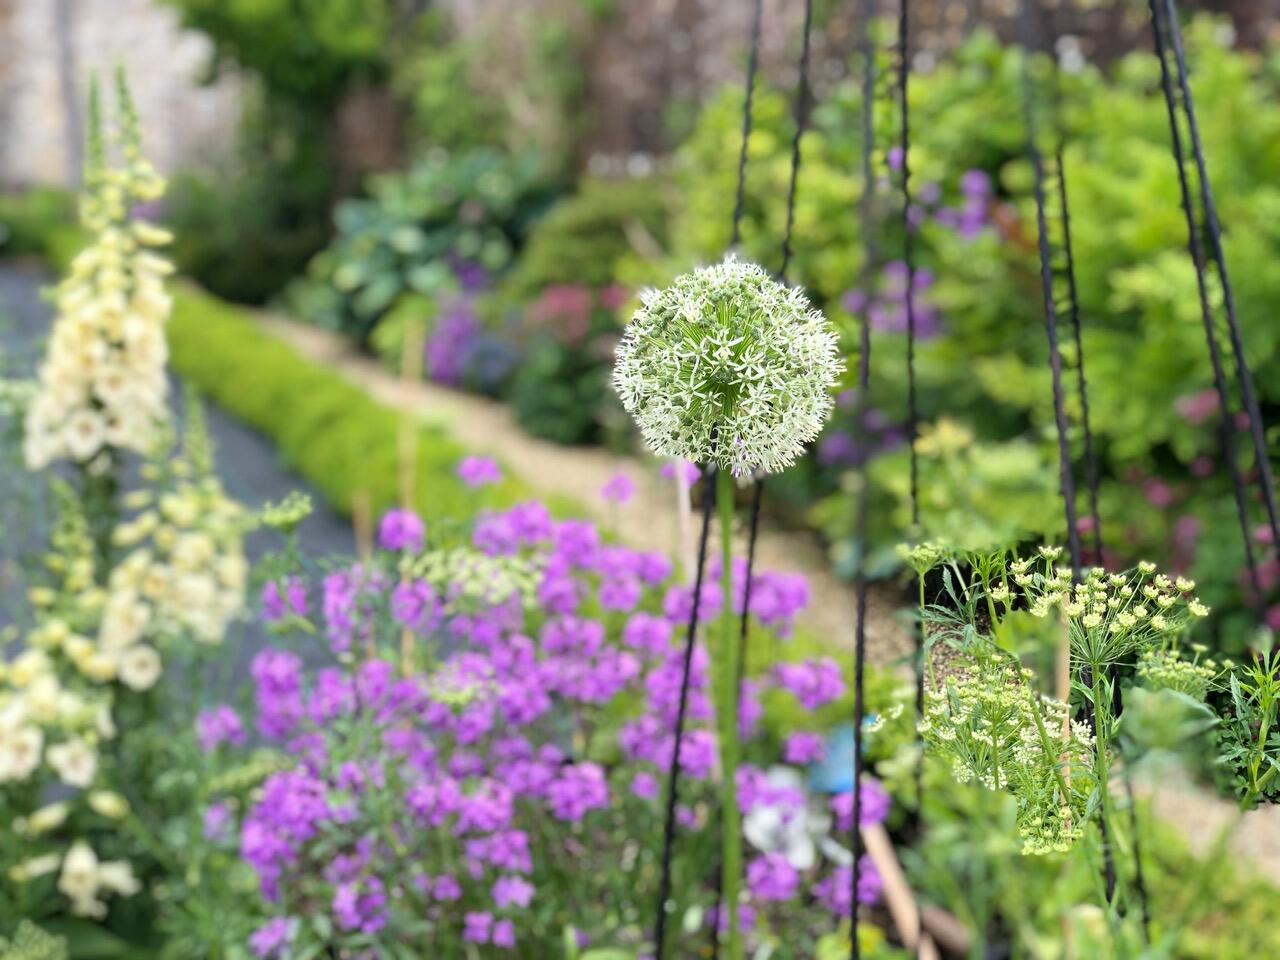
[(727, 713)]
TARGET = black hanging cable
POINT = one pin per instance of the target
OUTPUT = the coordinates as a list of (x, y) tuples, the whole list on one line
[(1067, 477), (913, 416), (869, 265), (673, 777), (1091, 463), (1213, 228), (1226, 429), (753, 66), (1082, 383), (757, 496), (801, 116)]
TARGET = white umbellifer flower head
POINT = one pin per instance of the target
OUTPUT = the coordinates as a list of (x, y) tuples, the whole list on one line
[(728, 366)]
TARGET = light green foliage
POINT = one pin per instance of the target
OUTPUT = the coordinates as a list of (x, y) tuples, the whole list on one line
[(32, 943), (326, 428), (414, 228), (584, 237), (306, 51), (1143, 337)]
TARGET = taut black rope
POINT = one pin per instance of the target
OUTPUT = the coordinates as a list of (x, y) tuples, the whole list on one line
[(1214, 230), (1225, 426), (869, 266), (753, 66), (801, 115), (1067, 476), (1082, 383), (673, 778)]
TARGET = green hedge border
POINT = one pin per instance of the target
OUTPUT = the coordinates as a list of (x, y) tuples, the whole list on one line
[(326, 428)]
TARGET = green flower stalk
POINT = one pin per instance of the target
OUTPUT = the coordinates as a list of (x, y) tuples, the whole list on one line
[(731, 368)]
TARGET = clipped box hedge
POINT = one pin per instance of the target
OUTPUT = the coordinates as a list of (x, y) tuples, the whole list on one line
[(326, 428)]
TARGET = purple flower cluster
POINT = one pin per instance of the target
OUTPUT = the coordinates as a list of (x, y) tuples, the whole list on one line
[(219, 725), (459, 797)]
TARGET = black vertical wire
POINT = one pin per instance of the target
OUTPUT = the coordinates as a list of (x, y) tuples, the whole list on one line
[(1214, 230), (1082, 383), (1067, 477), (673, 777), (869, 265), (913, 417), (757, 495), (1092, 473), (801, 115), (753, 65), (1226, 429)]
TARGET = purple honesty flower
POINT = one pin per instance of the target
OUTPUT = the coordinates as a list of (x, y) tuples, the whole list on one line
[(802, 748), (581, 787), (772, 878), (875, 805), (217, 821), (477, 927), (512, 891), (277, 677), (813, 682), (686, 471), (402, 530), (835, 891), (504, 933), (644, 785), (479, 471), (975, 183), (218, 725), (277, 603), (272, 938), (360, 905), (619, 489)]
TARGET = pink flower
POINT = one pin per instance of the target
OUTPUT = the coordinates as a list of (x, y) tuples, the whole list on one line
[(402, 530), (1198, 407), (479, 471), (619, 489)]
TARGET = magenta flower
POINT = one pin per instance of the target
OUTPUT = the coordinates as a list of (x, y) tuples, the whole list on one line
[(479, 471), (402, 530), (512, 891), (619, 489), (277, 603), (684, 470), (772, 878), (218, 725), (802, 748), (272, 939)]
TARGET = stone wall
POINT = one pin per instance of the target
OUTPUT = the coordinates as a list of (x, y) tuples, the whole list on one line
[(48, 48)]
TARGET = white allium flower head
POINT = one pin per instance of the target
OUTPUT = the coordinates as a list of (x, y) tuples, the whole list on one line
[(728, 366)]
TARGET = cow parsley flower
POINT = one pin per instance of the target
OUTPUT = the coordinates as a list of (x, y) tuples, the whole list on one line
[(728, 366)]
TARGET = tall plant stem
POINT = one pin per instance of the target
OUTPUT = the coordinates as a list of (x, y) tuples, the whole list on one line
[(727, 716), (1102, 725)]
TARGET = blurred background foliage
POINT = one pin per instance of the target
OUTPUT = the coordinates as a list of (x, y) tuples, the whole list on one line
[(471, 170)]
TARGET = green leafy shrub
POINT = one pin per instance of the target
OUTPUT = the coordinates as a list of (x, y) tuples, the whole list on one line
[(464, 215), (1165, 492), (330, 431), (248, 228), (560, 307)]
